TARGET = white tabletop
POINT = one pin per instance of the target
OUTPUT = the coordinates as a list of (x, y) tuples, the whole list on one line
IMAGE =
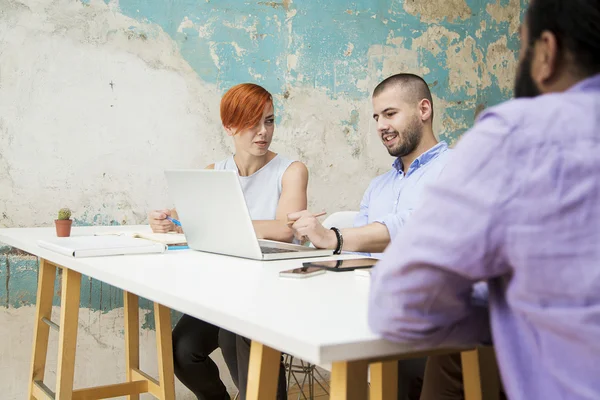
[(320, 319)]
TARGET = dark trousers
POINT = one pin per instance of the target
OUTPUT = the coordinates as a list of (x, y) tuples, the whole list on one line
[(193, 341), (443, 379), (410, 378)]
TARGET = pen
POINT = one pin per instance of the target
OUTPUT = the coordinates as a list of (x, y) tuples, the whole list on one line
[(178, 247), (314, 215), (173, 220)]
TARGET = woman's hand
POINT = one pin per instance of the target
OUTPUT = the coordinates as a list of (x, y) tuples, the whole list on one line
[(159, 222)]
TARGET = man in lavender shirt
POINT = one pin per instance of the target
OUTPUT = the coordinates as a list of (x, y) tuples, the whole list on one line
[(518, 206)]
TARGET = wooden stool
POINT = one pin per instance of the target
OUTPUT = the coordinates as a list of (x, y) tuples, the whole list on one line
[(481, 377), (137, 381)]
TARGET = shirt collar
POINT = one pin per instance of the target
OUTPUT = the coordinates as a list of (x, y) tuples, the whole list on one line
[(423, 159), (586, 84)]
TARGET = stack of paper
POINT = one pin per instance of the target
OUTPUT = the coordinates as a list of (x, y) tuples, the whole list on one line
[(92, 246), (170, 238)]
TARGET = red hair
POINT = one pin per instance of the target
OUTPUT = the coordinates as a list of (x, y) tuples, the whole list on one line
[(243, 105)]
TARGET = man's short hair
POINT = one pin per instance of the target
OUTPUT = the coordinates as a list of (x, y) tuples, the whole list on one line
[(414, 86)]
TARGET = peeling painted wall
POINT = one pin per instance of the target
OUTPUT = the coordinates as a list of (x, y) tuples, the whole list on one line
[(98, 98)]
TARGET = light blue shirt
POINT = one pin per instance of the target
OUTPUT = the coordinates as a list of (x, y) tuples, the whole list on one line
[(392, 197)]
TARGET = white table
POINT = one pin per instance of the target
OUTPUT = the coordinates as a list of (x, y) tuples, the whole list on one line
[(322, 319)]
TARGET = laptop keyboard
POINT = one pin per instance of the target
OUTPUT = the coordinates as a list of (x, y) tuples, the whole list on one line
[(272, 250)]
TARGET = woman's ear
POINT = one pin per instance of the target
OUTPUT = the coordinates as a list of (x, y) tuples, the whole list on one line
[(230, 132)]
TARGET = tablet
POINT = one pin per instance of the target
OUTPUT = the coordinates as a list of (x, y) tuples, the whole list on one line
[(343, 265)]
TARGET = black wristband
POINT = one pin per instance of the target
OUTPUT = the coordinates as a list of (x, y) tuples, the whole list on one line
[(340, 240)]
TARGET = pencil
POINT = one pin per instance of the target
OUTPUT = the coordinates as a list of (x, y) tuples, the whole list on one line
[(290, 223)]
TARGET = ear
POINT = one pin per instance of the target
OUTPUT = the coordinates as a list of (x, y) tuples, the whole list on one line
[(425, 110), (546, 58), (229, 130)]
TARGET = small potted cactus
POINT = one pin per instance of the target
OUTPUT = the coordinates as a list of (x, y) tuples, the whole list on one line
[(63, 223)]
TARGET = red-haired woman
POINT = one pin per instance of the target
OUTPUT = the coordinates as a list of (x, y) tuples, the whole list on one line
[(273, 186)]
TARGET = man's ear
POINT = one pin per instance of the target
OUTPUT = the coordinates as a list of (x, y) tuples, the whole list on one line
[(425, 110), (546, 59)]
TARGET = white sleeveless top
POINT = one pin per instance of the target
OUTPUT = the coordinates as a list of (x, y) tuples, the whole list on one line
[(262, 189)]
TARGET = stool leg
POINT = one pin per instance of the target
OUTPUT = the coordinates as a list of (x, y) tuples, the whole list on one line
[(384, 380), (480, 374)]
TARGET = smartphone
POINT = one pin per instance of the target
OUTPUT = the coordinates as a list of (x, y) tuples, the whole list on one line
[(343, 265), (303, 272)]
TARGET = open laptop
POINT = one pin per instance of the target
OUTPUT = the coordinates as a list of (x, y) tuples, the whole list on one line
[(215, 218)]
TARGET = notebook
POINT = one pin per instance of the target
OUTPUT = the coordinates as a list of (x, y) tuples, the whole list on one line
[(94, 246), (170, 238)]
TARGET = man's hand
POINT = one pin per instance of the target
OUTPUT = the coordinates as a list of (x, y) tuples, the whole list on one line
[(159, 222), (307, 226)]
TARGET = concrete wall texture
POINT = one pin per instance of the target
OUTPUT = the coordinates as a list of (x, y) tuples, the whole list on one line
[(97, 98)]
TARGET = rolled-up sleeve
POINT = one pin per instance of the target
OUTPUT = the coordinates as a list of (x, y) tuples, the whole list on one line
[(422, 290), (394, 222)]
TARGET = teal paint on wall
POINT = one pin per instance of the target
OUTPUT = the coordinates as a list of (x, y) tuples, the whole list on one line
[(18, 278), (233, 41)]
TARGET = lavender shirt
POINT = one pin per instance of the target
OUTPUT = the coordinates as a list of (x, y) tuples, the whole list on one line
[(518, 206)]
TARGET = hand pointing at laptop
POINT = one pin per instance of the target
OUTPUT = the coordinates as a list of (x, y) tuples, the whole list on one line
[(306, 226)]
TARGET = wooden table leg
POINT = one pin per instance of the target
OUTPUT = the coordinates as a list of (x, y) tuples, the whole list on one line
[(67, 338), (132, 338), (480, 374), (263, 372), (384, 381), (349, 380), (43, 309), (137, 381), (164, 346)]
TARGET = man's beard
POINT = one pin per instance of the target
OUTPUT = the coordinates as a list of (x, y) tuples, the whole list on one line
[(409, 140), (525, 86)]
